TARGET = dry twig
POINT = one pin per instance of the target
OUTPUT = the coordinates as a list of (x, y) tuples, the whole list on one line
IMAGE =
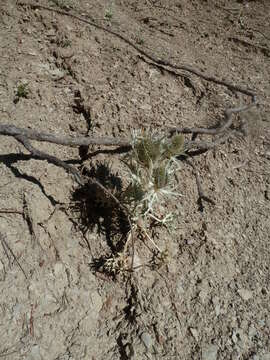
[(221, 129), (152, 57), (201, 194), (160, 62), (7, 250), (191, 147)]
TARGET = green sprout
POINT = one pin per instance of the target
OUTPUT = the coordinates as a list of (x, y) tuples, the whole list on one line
[(22, 91), (64, 43), (108, 13), (139, 40)]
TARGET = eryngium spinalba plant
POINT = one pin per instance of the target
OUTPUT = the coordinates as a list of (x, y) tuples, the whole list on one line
[(151, 176), (152, 166)]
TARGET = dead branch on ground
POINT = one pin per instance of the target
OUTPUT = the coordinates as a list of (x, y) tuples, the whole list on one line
[(223, 133), (158, 61)]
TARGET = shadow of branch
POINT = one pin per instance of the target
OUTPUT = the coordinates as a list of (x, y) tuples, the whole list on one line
[(10, 159)]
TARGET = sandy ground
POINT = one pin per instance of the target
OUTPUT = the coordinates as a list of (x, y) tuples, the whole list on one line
[(211, 301)]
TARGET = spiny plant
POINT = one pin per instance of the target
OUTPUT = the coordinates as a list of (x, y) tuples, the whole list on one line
[(151, 168), (151, 172)]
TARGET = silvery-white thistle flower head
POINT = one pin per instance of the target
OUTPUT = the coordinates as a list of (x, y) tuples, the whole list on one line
[(151, 168)]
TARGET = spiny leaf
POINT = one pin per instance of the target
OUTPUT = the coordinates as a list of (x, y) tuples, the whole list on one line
[(175, 146), (160, 177), (147, 151), (134, 192)]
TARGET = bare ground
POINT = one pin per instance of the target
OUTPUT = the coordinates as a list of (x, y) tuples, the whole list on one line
[(211, 301)]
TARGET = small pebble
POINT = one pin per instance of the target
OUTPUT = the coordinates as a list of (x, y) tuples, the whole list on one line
[(194, 333), (209, 352), (147, 340), (245, 294)]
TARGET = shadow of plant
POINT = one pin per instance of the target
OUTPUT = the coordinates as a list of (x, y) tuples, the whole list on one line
[(97, 211)]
